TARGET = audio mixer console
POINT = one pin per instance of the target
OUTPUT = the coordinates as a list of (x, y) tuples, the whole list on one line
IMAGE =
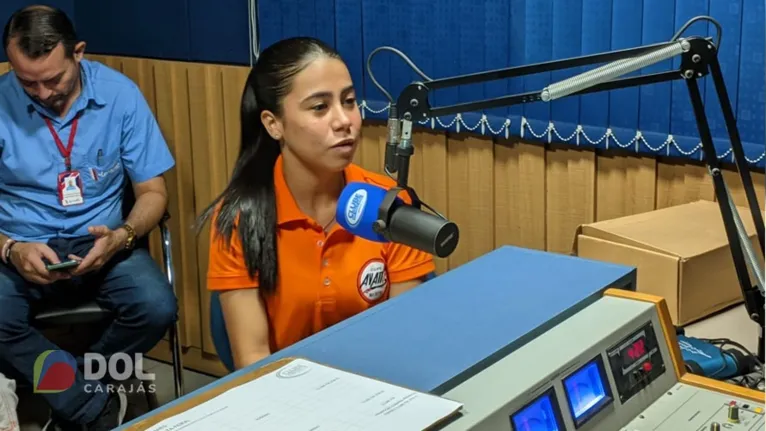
[(693, 408), (614, 366)]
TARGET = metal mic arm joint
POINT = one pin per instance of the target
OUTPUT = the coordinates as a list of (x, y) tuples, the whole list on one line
[(695, 62)]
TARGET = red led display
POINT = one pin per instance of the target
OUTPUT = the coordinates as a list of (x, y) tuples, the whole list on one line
[(637, 350)]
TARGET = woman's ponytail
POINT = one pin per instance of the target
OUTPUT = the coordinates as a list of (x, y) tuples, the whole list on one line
[(248, 204)]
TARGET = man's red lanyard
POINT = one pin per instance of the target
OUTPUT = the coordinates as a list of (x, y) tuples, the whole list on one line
[(66, 152)]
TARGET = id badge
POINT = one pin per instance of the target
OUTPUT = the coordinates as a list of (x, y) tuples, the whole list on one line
[(70, 188)]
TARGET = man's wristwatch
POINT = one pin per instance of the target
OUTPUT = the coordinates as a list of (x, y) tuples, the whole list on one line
[(130, 242)]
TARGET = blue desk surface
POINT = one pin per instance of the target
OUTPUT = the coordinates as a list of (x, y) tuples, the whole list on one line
[(434, 337)]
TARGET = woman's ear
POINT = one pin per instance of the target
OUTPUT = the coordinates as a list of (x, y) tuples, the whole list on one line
[(272, 124)]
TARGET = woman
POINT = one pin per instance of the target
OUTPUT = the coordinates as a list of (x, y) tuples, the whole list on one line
[(285, 270)]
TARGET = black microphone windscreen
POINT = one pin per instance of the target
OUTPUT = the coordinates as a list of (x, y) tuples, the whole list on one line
[(423, 231)]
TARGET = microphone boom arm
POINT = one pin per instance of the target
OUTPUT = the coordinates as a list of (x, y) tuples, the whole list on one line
[(699, 57)]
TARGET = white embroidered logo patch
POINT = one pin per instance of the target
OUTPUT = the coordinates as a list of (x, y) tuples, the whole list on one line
[(373, 280)]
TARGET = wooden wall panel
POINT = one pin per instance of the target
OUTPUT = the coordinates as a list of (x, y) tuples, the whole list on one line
[(234, 79), (429, 178), (737, 190), (520, 179), (141, 71), (172, 94), (679, 183), (209, 163), (373, 148), (470, 203), (625, 185), (504, 192), (570, 195)]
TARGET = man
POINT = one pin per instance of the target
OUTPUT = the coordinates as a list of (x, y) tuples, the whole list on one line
[(71, 133)]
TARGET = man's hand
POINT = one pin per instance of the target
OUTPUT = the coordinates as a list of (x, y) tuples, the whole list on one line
[(108, 243), (27, 257)]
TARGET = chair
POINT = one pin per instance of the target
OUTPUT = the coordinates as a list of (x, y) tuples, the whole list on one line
[(221, 337), (219, 334), (91, 312)]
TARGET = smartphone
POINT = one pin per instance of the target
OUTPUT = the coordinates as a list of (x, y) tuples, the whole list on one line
[(63, 266)]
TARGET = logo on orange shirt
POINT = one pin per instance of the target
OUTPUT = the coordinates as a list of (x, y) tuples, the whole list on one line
[(373, 280)]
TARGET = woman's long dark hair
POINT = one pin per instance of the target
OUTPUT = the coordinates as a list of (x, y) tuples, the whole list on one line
[(248, 204)]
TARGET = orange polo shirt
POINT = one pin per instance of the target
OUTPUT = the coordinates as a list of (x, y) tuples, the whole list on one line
[(323, 278)]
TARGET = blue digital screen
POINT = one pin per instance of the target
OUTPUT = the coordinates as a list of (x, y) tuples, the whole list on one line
[(540, 415), (586, 391)]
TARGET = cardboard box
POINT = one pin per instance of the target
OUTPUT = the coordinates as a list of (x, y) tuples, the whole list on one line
[(681, 253)]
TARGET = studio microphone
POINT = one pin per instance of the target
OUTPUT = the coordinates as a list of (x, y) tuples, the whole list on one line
[(373, 213)]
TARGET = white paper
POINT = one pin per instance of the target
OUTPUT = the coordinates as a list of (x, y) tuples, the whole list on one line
[(304, 395)]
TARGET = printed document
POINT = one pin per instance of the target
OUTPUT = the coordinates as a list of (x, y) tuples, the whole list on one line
[(306, 396)]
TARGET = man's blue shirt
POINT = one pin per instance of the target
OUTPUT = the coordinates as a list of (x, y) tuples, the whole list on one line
[(117, 138)]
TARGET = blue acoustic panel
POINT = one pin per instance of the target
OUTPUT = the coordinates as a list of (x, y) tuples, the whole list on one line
[(470, 50), (517, 41), (375, 25), (436, 336), (566, 31), (219, 34), (539, 45), (139, 28), (729, 14), (448, 38), (497, 49), (281, 19), (623, 104), (683, 124), (348, 27), (654, 106), (596, 38), (446, 25), (8, 7), (752, 94)]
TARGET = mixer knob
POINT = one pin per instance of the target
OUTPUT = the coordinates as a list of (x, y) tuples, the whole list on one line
[(733, 414), (715, 426)]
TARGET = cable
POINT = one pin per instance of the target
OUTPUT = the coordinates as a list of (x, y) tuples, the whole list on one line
[(722, 342), (698, 18), (744, 380), (755, 369), (406, 60), (417, 70), (254, 45), (250, 32)]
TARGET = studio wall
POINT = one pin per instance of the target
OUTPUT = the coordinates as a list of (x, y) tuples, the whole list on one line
[(524, 191), (499, 191), (449, 37)]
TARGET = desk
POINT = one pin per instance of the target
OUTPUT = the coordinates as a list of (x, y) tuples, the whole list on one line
[(433, 338)]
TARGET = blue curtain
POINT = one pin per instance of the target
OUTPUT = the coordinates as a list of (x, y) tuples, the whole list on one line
[(449, 37)]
